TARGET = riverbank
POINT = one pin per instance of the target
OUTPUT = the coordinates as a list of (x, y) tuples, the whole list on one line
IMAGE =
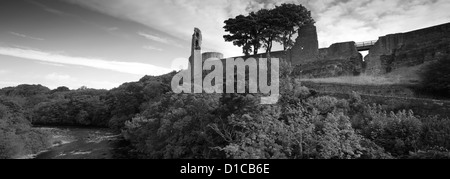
[(82, 143)]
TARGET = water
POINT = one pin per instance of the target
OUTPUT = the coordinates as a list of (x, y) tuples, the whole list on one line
[(84, 143)]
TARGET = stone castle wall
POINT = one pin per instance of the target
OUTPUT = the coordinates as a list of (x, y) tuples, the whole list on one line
[(408, 49), (340, 59), (390, 52)]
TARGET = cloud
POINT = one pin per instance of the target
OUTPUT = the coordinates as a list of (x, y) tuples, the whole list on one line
[(57, 77), (154, 38), (112, 28), (362, 20), (2, 72), (118, 66), (177, 18), (55, 80), (25, 36), (148, 47), (47, 8), (337, 20), (52, 64), (180, 64)]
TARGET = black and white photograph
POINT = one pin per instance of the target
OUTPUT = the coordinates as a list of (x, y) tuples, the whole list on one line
[(225, 80)]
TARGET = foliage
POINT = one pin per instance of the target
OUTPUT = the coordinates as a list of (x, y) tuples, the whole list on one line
[(436, 78), (245, 32), (325, 104), (61, 89), (176, 127), (398, 133), (17, 138), (84, 108), (436, 132), (262, 28), (25, 90), (289, 131), (291, 18), (159, 124), (272, 28), (127, 100), (237, 126)]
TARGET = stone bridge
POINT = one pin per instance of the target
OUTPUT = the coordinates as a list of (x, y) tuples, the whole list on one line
[(365, 46)]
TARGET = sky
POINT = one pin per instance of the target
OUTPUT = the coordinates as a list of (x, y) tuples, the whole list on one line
[(104, 43)]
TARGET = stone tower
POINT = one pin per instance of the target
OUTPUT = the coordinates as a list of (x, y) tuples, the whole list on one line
[(306, 48), (196, 61), (196, 45)]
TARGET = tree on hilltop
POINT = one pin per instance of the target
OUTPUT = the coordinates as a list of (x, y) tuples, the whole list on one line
[(262, 28), (245, 32), (292, 17)]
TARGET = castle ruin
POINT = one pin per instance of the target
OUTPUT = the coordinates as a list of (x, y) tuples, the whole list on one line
[(343, 59)]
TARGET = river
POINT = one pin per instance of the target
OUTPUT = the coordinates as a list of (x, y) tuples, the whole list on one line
[(84, 143)]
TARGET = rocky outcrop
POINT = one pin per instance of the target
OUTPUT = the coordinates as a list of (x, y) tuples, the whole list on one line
[(409, 49)]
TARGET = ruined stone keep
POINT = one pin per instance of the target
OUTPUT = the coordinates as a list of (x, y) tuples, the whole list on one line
[(343, 59)]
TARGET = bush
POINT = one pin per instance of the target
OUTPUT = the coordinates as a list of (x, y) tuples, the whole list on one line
[(295, 128), (398, 133), (436, 132), (9, 145), (337, 139), (326, 104), (82, 108), (373, 151), (254, 137), (17, 138), (264, 136), (175, 128), (436, 78)]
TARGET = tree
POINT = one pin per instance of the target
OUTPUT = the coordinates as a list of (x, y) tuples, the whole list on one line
[(61, 89), (272, 28), (255, 32), (25, 90), (83, 88), (436, 79), (292, 18), (262, 28), (245, 32)]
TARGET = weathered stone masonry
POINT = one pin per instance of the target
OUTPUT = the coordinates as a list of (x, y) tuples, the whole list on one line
[(408, 49), (343, 59)]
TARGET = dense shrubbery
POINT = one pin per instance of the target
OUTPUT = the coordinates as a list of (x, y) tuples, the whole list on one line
[(160, 124), (436, 132), (300, 126), (398, 133), (127, 100), (436, 78), (84, 108), (87, 107), (175, 127), (236, 126), (17, 138)]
